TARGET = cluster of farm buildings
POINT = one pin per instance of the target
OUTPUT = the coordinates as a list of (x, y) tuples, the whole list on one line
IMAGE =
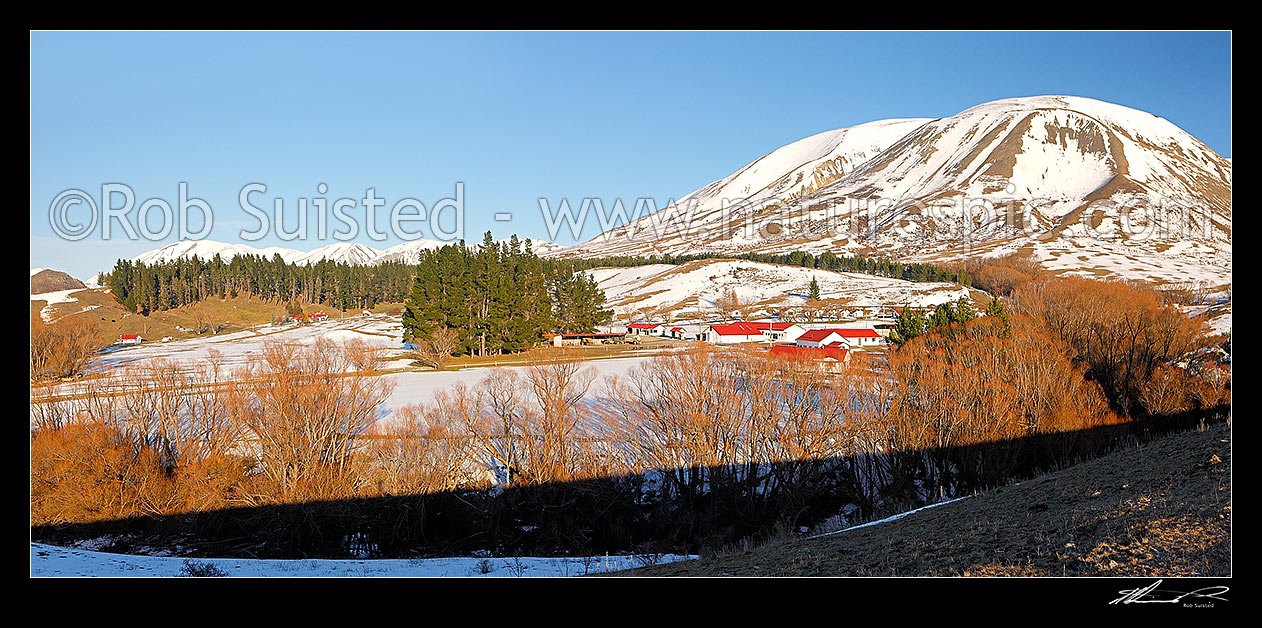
[(789, 340)]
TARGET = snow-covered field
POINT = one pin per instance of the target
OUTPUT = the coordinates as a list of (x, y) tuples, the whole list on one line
[(419, 386), (384, 332), (54, 561), (236, 348)]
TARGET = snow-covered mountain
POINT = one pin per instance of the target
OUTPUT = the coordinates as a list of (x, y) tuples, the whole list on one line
[(207, 249), (789, 173), (546, 248), (352, 253), (410, 252), (1086, 186)]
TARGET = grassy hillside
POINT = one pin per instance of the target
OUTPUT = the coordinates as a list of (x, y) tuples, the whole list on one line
[(1161, 509), (234, 314), (53, 280)]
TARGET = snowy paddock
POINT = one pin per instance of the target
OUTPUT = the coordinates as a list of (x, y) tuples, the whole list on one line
[(54, 561), (419, 386), (233, 350), (236, 348)]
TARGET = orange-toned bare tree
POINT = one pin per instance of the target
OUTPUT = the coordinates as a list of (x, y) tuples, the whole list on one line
[(301, 410)]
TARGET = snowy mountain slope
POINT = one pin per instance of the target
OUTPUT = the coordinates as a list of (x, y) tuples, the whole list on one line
[(409, 252), (790, 172), (207, 249), (352, 253), (1087, 186), (546, 248), (694, 286)]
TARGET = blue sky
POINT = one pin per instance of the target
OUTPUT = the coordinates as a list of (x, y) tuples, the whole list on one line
[(520, 116)]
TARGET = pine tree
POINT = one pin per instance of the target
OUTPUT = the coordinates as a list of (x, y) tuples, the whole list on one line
[(499, 298), (963, 311), (997, 309), (909, 325), (813, 292)]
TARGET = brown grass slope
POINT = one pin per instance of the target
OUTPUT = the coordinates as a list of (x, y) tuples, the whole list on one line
[(1160, 509), (52, 281)]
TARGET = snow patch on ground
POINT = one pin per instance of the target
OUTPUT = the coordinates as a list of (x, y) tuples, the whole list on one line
[(54, 561), (890, 518), (53, 298)]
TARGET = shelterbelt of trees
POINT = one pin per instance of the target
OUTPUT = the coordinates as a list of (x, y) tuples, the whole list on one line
[(144, 288), (497, 298)]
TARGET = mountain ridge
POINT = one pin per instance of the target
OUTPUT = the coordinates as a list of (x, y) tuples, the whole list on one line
[(352, 253), (1073, 181)]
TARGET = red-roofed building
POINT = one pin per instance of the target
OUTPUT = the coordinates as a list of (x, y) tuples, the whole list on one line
[(818, 338), (860, 337), (644, 329), (779, 332), (840, 336), (827, 354), (733, 333), (130, 339)]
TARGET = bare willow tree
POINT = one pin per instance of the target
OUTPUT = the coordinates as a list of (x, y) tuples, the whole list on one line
[(302, 410), (1122, 333), (554, 452), (526, 423), (436, 349), (728, 304), (363, 356), (63, 348), (413, 451), (181, 413), (736, 421), (678, 414)]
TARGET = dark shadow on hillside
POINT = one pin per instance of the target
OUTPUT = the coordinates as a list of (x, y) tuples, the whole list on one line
[(701, 510)]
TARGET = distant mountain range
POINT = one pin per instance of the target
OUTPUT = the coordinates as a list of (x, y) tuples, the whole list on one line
[(348, 252)]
